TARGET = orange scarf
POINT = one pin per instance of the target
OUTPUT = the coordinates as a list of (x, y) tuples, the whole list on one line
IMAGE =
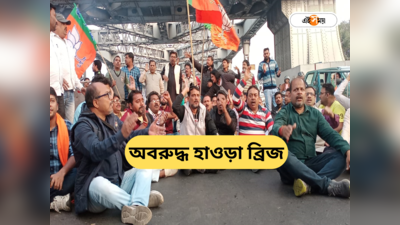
[(62, 139)]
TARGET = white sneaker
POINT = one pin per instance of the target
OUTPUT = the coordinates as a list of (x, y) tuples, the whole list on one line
[(61, 203), (136, 214), (155, 199)]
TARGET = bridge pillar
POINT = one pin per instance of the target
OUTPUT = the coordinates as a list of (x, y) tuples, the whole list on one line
[(246, 48), (298, 46)]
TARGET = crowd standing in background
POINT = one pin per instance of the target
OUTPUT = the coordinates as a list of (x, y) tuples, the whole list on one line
[(89, 131)]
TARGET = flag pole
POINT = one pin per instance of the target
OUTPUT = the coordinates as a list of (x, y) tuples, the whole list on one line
[(109, 72), (202, 59), (190, 33)]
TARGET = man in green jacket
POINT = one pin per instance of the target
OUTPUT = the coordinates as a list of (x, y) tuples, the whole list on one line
[(299, 124)]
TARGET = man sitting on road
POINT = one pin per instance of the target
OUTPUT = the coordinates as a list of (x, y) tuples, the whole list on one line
[(98, 140), (62, 160), (299, 124), (253, 119), (195, 120), (136, 105), (328, 99), (224, 118)]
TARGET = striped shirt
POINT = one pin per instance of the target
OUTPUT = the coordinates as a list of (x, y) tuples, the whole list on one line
[(251, 123)]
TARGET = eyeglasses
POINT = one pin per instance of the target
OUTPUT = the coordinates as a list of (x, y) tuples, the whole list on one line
[(116, 101), (311, 94), (155, 101), (110, 95)]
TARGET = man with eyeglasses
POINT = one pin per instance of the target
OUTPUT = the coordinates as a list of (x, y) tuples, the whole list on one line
[(117, 106), (104, 179), (299, 124), (328, 99), (330, 117), (153, 108)]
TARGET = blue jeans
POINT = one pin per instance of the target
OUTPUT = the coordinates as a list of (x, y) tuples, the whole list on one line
[(270, 98), (67, 186), (316, 172), (69, 101), (175, 133), (134, 190)]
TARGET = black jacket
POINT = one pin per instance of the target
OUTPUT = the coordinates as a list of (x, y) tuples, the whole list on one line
[(205, 77), (222, 127), (94, 141), (225, 83)]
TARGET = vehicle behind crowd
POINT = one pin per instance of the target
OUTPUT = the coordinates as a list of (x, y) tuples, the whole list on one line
[(316, 78)]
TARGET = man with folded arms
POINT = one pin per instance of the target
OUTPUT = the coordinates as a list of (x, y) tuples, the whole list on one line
[(299, 124), (104, 179)]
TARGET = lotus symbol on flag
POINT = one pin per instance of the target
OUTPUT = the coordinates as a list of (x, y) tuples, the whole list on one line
[(75, 43), (226, 23)]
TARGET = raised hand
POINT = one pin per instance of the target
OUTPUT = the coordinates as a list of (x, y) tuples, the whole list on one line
[(265, 68), (236, 68), (131, 84), (146, 67), (186, 89), (187, 55), (247, 74), (129, 124), (166, 95)]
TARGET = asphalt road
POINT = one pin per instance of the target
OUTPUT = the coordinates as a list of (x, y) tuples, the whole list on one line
[(229, 197)]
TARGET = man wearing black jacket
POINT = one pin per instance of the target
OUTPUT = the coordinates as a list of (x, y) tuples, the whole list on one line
[(98, 140), (206, 76), (224, 118), (221, 83)]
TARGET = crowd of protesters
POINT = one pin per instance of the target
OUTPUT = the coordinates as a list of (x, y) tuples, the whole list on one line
[(88, 137)]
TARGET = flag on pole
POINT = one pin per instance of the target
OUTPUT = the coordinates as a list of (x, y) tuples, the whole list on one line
[(224, 36), (224, 39), (81, 40), (207, 11)]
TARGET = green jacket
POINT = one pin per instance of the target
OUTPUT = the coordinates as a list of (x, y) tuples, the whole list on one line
[(309, 124)]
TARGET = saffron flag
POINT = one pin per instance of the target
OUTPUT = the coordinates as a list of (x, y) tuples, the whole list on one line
[(224, 37), (222, 33), (207, 11), (81, 40)]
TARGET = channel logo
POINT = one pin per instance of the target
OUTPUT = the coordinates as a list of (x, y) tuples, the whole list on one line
[(313, 20)]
